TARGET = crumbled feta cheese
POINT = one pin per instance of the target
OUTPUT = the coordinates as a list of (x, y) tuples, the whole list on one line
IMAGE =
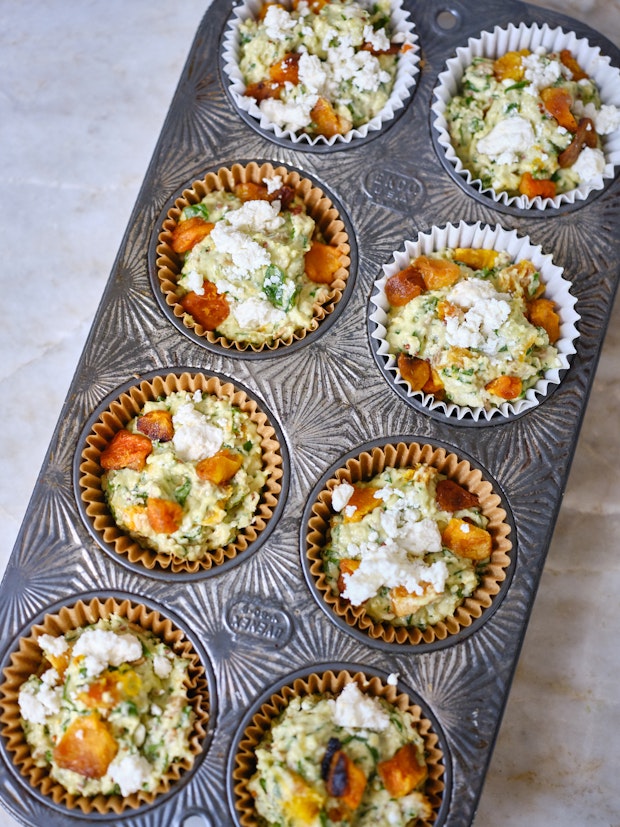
[(507, 140), (130, 772), (354, 710), (341, 494), (197, 396), (278, 23), (486, 311), (156, 710), (257, 312), (392, 679), (540, 71), (377, 39), (293, 114), (193, 282), (50, 677), (54, 645), (194, 436), (36, 703), (255, 216), (590, 165), (162, 666), (350, 510), (102, 649), (606, 119), (311, 73), (273, 184)]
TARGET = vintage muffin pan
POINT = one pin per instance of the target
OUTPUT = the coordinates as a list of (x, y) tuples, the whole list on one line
[(256, 614)]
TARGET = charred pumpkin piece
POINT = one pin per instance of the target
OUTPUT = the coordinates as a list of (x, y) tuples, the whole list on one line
[(541, 312), (437, 272), (467, 540), (451, 496), (508, 387), (126, 450), (558, 102), (249, 191), (87, 747), (404, 286), (566, 56), (364, 501), (156, 425), (415, 371), (59, 662), (263, 89), (347, 566), (188, 233), (584, 136), (345, 780), (220, 468), (164, 516), (476, 257), (509, 66), (325, 119), (405, 603), (534, 187), (402, 773), (434, 385), (286, 70), (210, 309), (321, 263)]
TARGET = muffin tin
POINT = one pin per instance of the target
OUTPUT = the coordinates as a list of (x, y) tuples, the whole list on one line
[(255, 623)]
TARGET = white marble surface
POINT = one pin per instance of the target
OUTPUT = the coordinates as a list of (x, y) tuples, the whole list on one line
[(84, 92)]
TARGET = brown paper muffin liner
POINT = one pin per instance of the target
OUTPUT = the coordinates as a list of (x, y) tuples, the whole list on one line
[(116, 417), (28, 659), (318, 206), (403, 455), (331, 684)]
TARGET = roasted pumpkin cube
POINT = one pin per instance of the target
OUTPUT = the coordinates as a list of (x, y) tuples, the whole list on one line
[(263, 89), (434, 385), (534, 187), (347, 566), (321, 262), (188, 233), (437, 272), (87, 747), (220, 468), (110, 687), (557, 102), (508, 387), (345, 780), (59, 662), (541, 312), (404, 286), (467, 540), (210, 309), (302, 803), (286, 70), (402, 773), (476, 257), (405, 603), (363, 500), (157, 425), (415, 371), (567, 58), (249, 191), (325, 119), (126, 450), (451, 496), (164, 516), (509, 66)]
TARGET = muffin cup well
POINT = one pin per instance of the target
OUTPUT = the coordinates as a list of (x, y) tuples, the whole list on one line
[(27, 659)]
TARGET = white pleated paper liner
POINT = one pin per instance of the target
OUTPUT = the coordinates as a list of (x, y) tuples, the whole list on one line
[(494, 44), (486, 237), (404, 82)]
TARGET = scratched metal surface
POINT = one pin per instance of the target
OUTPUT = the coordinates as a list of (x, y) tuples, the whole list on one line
[(257, 622)]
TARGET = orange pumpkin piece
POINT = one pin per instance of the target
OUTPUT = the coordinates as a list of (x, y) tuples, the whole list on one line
[(110, 688), (286, 70), (265, 8), (321, 263), (451, 496), (126, 450), (304, 802), (476, 258), (509, 66), (347, 566), (210, 309), (404, 286), (345, 780), (508, 387), (533, 187), (437, 272), (402, 773), (314, 5), (220, 468), (156, 425), (434, 385), (249, 191), (566, 56), (188, 233), (415, 371), (364, 501), (262, 90), (405, 603), (164, 516), (467, 540), (325, 119), (59, 662), (87, 747), (541, 312), (558, 102)]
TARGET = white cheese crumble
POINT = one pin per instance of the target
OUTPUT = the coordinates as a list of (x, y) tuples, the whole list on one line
[(273, 184), (36, 703), (507, 140), (606, 119), (590, 165), (294, 114), (540, 71), (54, 645), (162, 666), (341, 494), (392, 679), (485, 312), (256, 312), (130, 772), (378, 39), (255, 216), (278, 23), (354, 710), (194, 282), (102, 649), (194, 436)]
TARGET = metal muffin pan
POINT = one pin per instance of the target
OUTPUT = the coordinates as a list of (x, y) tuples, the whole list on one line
[(258, 622)]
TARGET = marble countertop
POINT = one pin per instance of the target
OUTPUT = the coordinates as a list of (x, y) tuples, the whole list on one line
[(85, 90)]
